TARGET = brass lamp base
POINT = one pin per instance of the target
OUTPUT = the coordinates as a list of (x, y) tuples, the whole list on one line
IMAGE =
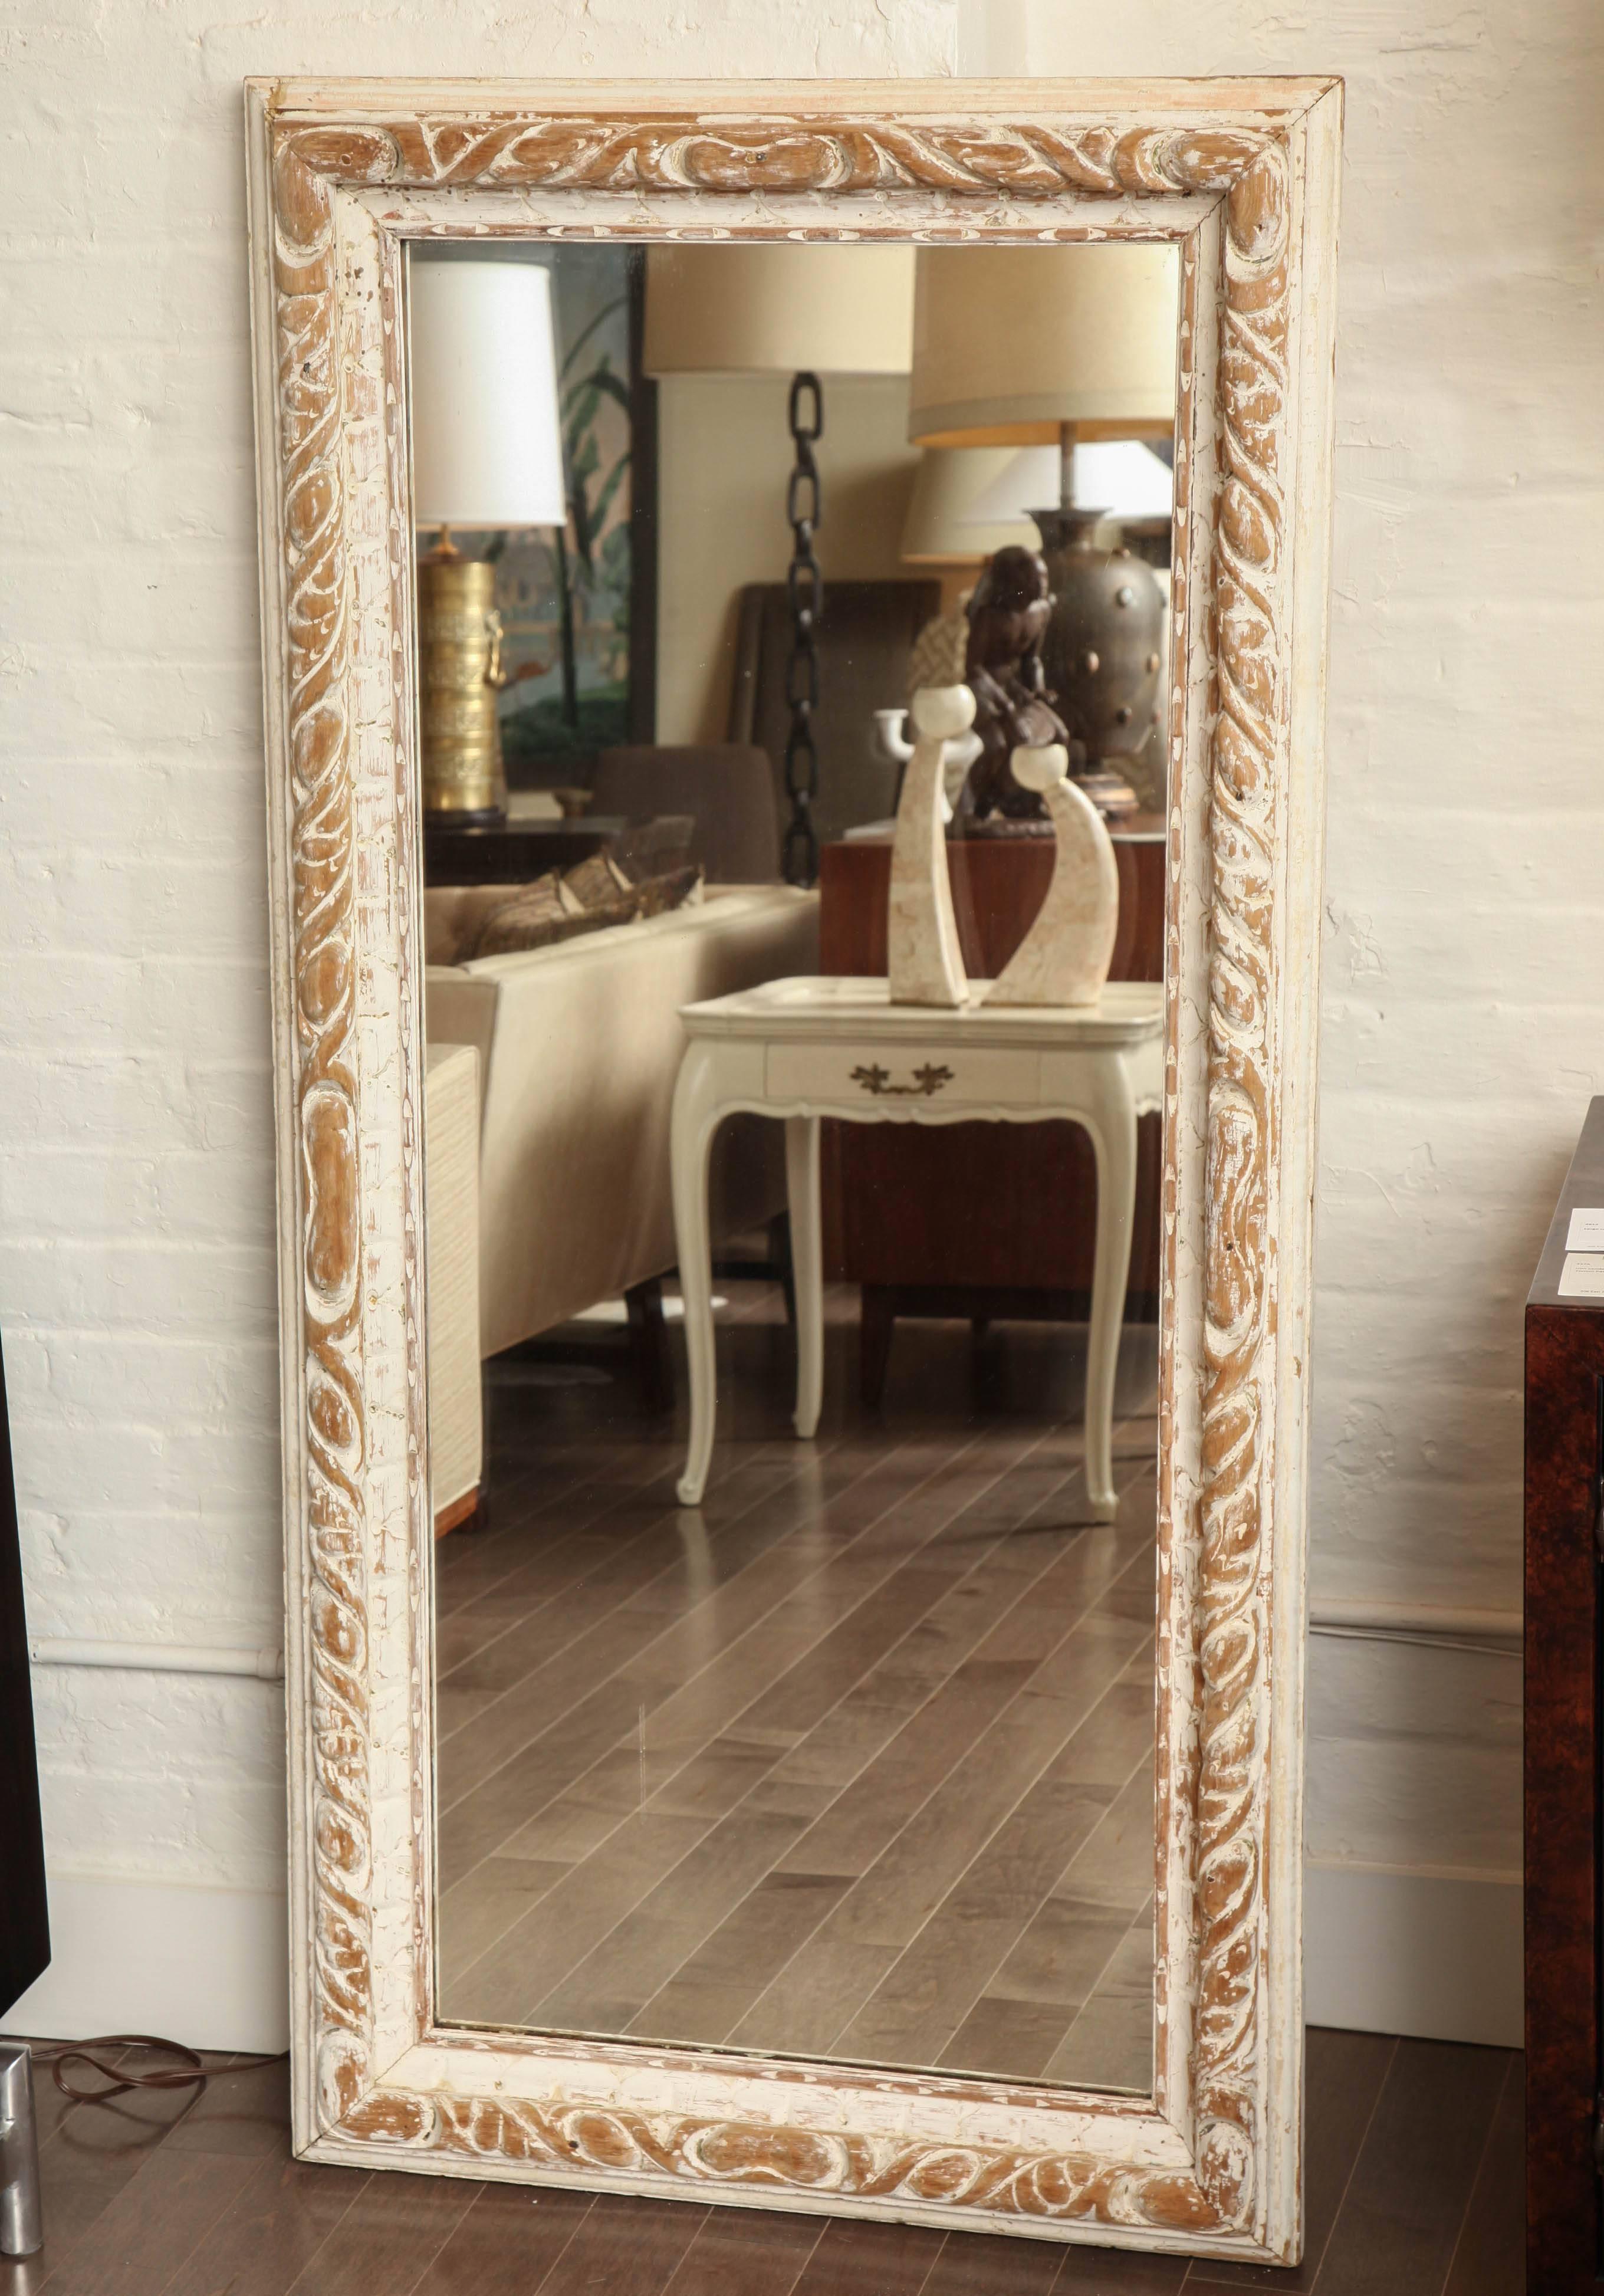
[(459, 677)]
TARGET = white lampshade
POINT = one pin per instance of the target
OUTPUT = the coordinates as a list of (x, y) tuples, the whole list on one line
[(778, 308), (946, 524), (486, 439), (1010, 343), (1120, 476)]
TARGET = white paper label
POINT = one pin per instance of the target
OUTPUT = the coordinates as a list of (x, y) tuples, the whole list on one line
[(1586, 1229), (1583, 1276)]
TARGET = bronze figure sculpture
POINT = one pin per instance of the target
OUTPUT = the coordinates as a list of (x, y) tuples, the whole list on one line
[(1009, 613)]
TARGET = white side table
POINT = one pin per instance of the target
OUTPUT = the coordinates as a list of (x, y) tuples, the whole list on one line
[(806, 1048)]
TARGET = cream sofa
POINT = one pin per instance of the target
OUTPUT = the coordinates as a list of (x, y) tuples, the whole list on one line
[(580, 1045), (451, 1107)]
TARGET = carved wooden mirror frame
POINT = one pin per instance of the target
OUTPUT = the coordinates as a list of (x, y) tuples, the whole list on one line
[(1243, 175)]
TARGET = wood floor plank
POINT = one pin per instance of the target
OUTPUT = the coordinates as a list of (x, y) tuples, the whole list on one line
[(90, 2154), (833, 1585), (542, 1947), (978, 2264), (767, 1745), (151, 2227), (242, 2108), (923, 1754), (1119, 2272), (483, 1906), (915, 2014), (869, 2260), (1110, 2044), (265, 2241), (1343, 2075), (585, 1681), (491, 1578), (1400, 2219), (538, 1668), (901, 1889), (751, 1956), (623, 2248), (581, 1581), (952, 1817), (1063, 1953), (711, 1989), (739, 2252), (509, 2241), (829, 1583), (1490, 2259), (387, 2238), (1113, 1866), (641, 1952)]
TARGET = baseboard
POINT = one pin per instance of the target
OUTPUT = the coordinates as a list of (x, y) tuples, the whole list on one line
[(1435, 1954), (201, 1965), (1438, 1956)]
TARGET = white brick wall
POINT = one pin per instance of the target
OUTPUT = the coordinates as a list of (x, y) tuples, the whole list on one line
[(1461, 1030)]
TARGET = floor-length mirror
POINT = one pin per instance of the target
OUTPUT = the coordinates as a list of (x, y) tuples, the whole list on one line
[(852, 1756)]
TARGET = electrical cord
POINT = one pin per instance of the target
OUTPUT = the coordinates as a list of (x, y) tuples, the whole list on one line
[(188, 2073)]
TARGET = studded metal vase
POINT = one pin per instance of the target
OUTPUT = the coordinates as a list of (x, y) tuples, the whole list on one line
[(1102, 650)]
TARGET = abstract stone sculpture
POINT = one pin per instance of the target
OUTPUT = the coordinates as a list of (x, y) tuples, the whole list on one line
[(922, 958), (1064, 958)]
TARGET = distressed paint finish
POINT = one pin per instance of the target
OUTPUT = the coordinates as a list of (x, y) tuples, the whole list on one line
[(1239, 1274), (338, 171), (328, 1197)]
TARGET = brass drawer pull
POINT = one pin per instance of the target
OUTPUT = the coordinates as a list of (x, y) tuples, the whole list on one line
[(926, 1082)]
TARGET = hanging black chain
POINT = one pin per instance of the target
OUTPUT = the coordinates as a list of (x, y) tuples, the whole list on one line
[(805, 591)]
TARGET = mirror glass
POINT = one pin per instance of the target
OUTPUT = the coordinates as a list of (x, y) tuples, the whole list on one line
[(850, 1756)]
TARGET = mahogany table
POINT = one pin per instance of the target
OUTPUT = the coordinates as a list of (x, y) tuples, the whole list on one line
[(1564, 1531)]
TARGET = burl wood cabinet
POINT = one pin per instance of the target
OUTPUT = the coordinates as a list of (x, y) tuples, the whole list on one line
[(1564, 1944), (949, 1221)]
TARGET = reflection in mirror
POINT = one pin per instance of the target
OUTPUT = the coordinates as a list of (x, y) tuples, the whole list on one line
[(793, 1360)]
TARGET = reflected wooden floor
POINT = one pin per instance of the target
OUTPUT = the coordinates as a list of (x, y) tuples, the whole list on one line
[(856, 1759)]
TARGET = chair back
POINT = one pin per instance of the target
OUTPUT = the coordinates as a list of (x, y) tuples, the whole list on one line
[(726, 787)]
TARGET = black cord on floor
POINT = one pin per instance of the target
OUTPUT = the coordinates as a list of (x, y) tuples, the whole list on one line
[(188, 2073)]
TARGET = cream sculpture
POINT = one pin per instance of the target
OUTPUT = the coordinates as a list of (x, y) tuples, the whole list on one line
[(1064, 959)]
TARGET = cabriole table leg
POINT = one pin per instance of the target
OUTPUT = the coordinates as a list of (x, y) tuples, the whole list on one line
[(1114, 1145), (694, 1121), (807, 1266)]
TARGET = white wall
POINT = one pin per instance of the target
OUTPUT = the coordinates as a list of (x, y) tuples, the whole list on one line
[(724, 457), (136, 1260), (1464, 989), (1461, 1023)]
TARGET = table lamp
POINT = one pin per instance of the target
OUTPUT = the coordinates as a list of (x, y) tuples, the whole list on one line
[(778, 306), (487, 452), (1062, 347), (951, 529)]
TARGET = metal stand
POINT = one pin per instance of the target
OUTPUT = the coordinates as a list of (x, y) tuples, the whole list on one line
[(22, 2222)]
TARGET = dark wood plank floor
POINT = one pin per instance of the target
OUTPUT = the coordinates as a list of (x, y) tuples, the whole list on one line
[(854, 1761), (1414, 2189)]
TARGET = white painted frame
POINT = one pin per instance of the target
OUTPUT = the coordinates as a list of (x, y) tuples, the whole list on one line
[(1243, 175)]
